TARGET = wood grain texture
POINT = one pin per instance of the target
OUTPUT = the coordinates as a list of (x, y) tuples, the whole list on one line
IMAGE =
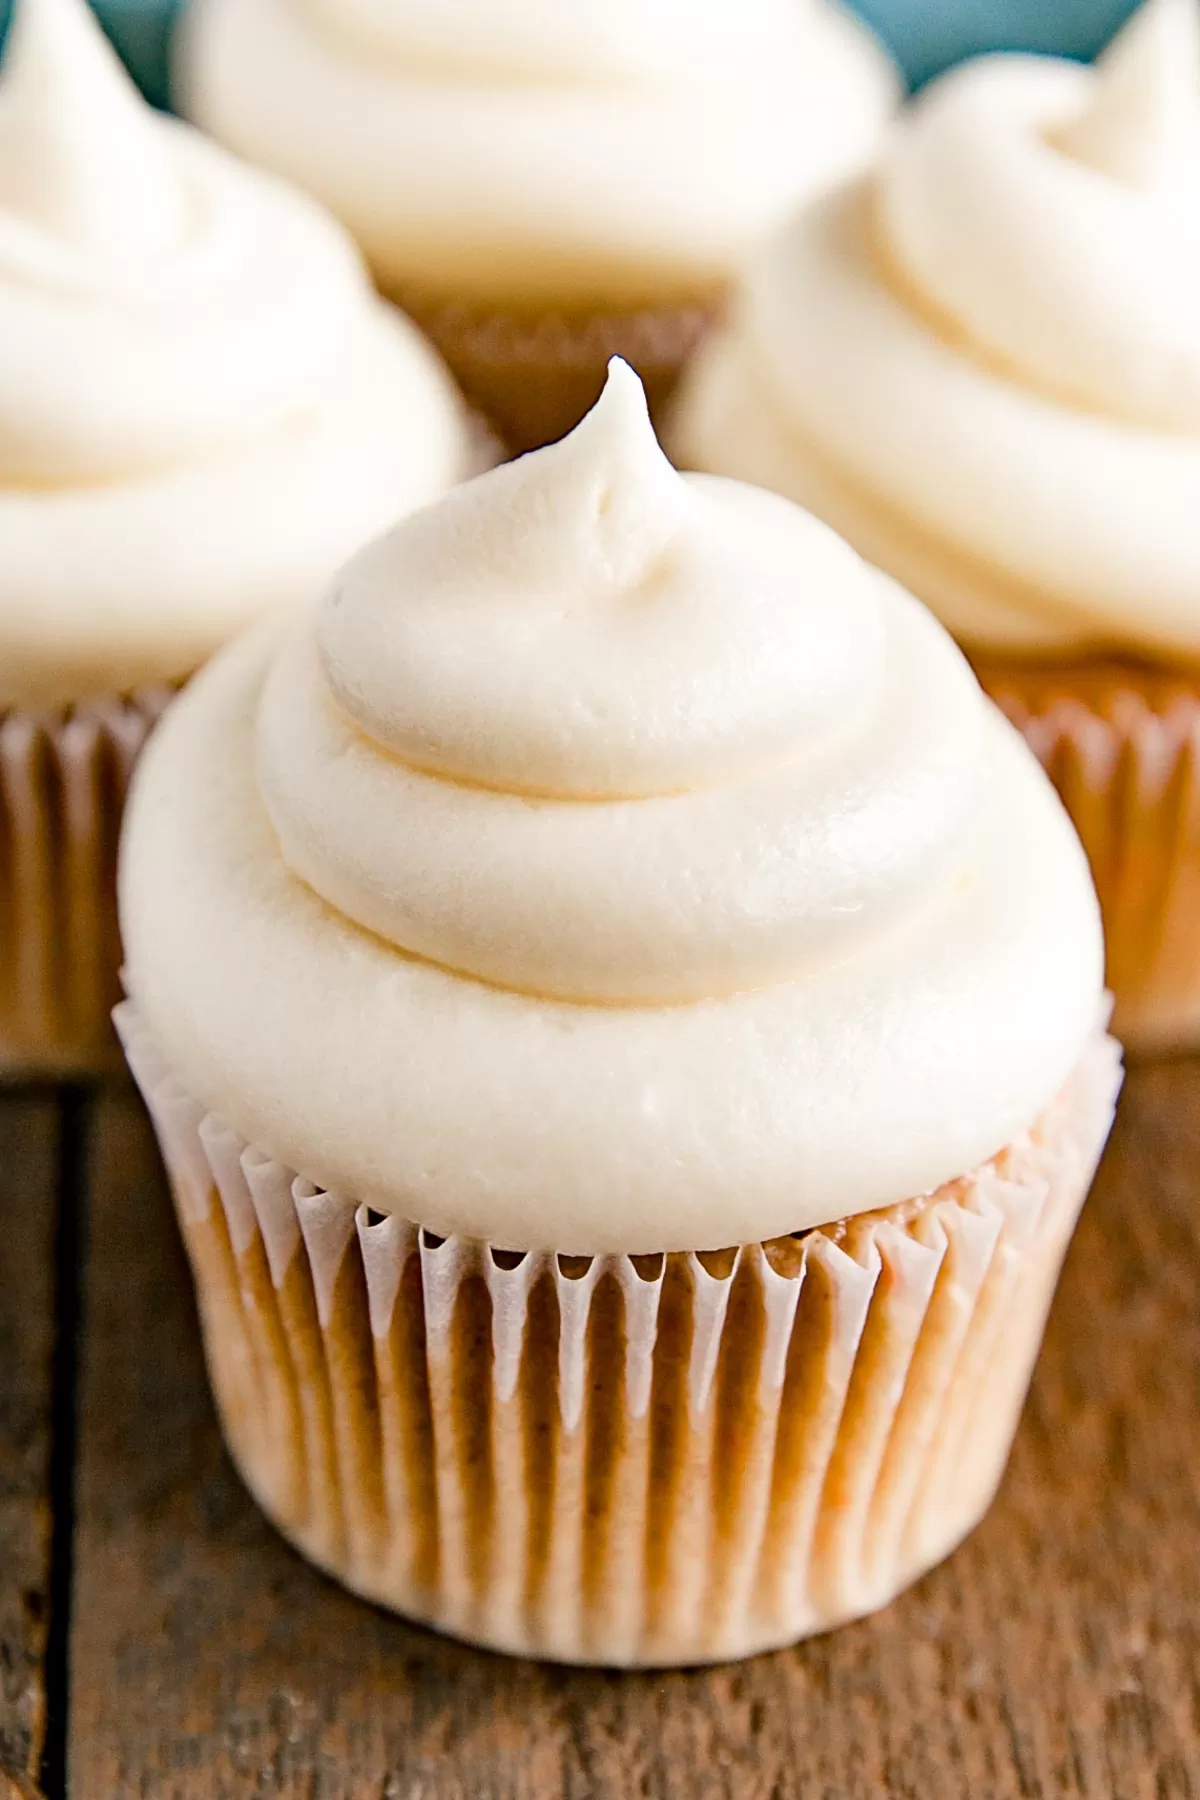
[(1058, 1654), (28, 1180)]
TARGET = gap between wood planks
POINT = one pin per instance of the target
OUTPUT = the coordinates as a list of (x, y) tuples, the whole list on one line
[(70, 1248), (42, 1132)]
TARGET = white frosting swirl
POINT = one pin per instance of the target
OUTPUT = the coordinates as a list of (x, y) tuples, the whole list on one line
[(1022, 277), (190, 354), (651, 872), (530, 154)]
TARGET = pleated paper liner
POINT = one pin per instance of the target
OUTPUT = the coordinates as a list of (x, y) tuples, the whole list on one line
[(63, 779), (534, 377), (647, 1460), (1121, 742)]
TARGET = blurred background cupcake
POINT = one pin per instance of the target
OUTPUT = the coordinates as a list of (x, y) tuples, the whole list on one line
[(624, 1022), (544, 186), (981, 363), (203, 405)]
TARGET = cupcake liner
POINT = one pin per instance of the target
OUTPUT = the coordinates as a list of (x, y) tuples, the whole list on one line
[(63, 779), (535, 376), (1122, 746), (623, 1460)]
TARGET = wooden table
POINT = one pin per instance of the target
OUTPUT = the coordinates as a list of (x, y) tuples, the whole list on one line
[(157, 1639)]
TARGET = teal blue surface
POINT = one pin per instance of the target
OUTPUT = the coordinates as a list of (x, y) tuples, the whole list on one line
[(141, 31), (925, 35)]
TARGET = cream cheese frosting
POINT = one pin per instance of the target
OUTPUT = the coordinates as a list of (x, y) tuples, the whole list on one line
[(203, 406), (982, 362), (531, 154), (612, 862)]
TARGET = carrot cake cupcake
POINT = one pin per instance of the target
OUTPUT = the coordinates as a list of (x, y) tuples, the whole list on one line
[(981, 364), (624, 1021), (203, 408), (542, 186)]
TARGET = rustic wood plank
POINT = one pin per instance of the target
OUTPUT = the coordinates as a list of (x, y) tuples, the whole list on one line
[(29, 1161), (1058, 1654)]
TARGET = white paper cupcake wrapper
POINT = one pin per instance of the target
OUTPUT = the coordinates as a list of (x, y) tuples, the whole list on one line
[(1128, 769), (621, 1460), (63, 779)]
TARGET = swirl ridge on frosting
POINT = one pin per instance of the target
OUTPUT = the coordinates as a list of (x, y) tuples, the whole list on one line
[(612, 860), (202, 403), (982, 362)]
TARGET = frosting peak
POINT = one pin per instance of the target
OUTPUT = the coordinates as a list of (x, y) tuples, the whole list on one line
[(611, 474), (80, 157), (590, 515), (1140, 123)]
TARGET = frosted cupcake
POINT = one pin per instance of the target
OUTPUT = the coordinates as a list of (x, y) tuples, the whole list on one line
[(203, 408), (981, 364), (543, 186), (623, 1019)]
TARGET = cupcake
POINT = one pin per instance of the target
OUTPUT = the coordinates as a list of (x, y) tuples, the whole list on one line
[(623, 1018), (203, 409), (981, 364), (544, 186)]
